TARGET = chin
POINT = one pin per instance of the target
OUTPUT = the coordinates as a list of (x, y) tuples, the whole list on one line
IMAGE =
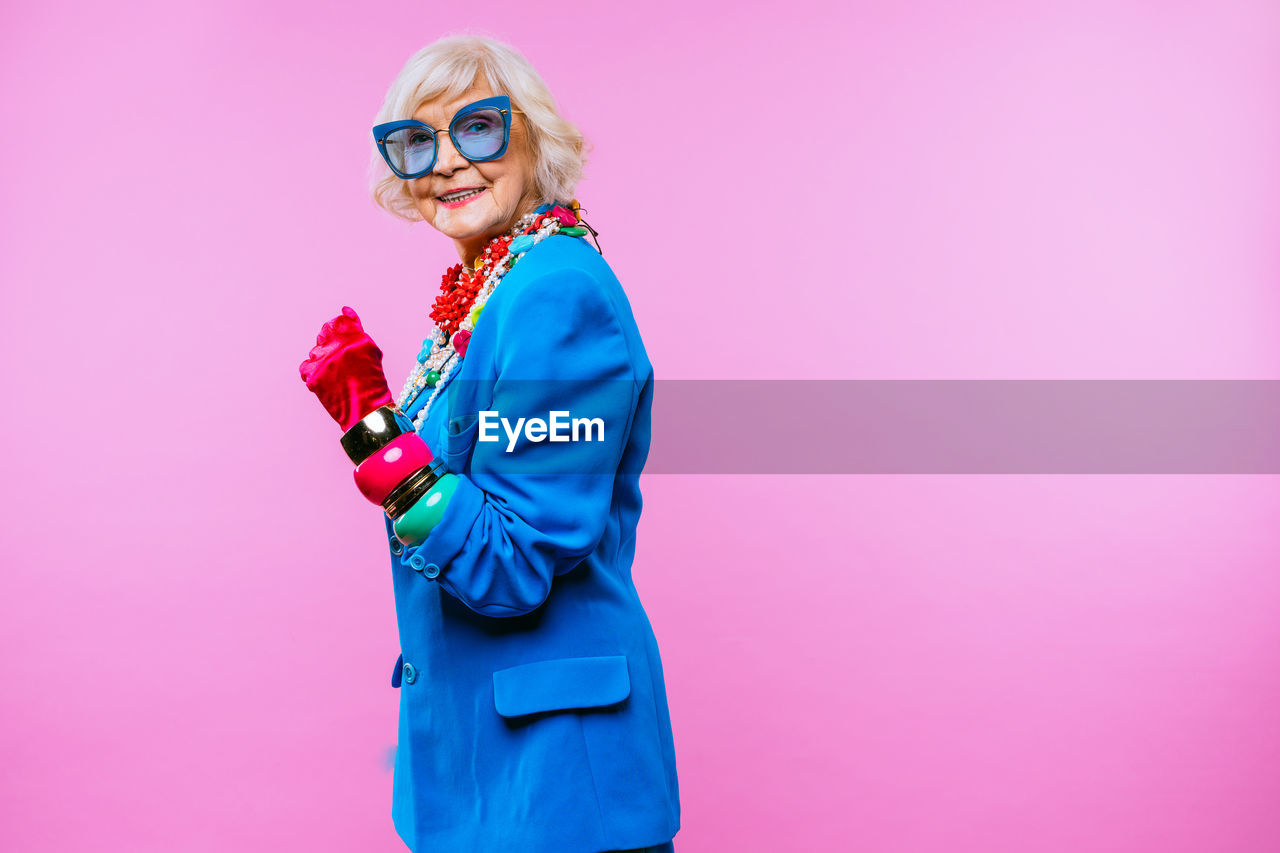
[(472, 228), (473, 225)]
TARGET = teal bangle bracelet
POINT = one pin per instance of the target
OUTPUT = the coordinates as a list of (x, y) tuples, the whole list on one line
[(421, 518)]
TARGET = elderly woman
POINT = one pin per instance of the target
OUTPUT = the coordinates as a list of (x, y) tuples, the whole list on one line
[(533, 713)]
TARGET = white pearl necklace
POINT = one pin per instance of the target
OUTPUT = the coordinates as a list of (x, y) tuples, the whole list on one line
[(442, 353)]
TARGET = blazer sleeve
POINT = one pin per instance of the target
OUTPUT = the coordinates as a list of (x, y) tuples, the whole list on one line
[(526, 513)]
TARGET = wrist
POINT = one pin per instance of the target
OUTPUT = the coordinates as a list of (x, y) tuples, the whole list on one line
[(426, 512), (366, 402), (374, 432)]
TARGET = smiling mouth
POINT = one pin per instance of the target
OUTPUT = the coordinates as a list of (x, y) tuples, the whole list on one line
[(460, 196)]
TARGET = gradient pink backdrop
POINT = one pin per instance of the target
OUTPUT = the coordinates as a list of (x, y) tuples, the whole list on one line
[(196, 616)]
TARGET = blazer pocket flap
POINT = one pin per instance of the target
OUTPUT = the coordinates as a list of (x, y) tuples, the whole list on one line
[(462, 425), (556, 685), (460, 435)]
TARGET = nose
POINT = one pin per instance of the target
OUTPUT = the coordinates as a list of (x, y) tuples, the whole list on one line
[(448, 160)]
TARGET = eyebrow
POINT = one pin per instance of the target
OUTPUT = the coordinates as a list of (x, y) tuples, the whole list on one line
[(453, 112)]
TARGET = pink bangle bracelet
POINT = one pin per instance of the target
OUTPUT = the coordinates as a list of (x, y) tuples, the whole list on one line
[(377, 476)]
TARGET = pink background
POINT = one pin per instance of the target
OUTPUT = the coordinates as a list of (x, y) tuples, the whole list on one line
[(196, 616)]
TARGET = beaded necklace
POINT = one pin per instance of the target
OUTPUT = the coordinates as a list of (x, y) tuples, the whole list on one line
[(464, 294)]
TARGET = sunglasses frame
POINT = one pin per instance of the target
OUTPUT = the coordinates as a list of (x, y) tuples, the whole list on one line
[(501, 102)]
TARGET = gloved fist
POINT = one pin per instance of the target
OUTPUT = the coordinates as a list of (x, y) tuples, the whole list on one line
[(344, 369)]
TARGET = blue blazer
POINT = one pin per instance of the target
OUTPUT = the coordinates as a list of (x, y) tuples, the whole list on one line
[(533, 712)]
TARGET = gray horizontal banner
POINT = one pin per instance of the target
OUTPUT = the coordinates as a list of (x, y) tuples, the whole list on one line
[(965, 427)]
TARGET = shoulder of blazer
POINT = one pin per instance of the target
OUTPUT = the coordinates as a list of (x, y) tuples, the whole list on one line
[(589, 271), (558, 263), (557, 253)]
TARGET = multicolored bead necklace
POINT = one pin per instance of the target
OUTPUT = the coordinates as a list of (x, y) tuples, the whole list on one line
[(463, 295)]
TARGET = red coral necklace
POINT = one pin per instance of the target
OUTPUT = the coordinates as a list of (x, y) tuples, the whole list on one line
[(463, 293)]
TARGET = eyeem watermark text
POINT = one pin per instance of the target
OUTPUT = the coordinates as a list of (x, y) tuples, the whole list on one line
[(537, 429)]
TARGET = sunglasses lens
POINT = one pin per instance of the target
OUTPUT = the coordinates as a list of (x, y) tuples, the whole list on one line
[(480, 134), (410, 149)]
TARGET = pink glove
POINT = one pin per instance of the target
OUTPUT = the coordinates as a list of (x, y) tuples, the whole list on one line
[(344, 369)]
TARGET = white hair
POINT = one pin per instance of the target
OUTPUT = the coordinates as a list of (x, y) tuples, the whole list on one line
[(449, 67)]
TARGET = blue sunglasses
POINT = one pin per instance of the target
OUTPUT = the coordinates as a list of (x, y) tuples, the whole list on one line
[(480, 132)]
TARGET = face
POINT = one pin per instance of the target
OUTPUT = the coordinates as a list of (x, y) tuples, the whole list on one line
[(506, 184)]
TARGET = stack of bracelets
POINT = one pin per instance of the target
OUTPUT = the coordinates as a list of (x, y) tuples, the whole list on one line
[(394, 466), (395, 469)]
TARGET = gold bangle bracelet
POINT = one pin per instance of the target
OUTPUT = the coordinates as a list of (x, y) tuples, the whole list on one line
[(375, 431), (414, 486)]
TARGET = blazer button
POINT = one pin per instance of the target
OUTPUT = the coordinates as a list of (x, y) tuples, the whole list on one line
[(418, 562), (397, 547), (410, 674), (430, 570)]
